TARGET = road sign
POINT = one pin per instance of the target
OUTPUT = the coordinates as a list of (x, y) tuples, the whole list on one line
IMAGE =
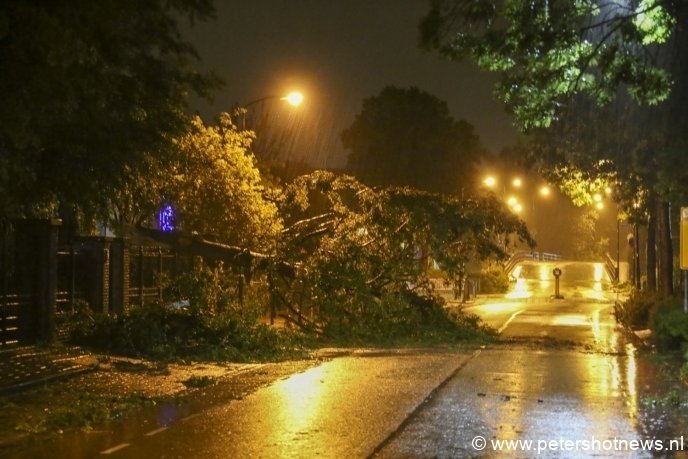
[(556, 272), (684, 238)]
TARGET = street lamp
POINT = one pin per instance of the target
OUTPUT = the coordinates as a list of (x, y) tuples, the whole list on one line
[(294, 98), (490, 181)]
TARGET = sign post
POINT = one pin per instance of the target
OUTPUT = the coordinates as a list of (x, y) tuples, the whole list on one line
[(683, 258), (557, 273)]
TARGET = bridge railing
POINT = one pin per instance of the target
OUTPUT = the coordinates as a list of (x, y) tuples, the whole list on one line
[(518, 257)]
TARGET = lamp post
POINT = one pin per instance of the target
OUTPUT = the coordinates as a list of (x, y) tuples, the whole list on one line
[(294, 98)]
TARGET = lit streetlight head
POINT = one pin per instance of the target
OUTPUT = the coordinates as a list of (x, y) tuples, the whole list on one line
[(608, 190), (512, 201), (294, 98), (490, 181), (518, 208), (597, 197), (544, 190), (517, 182), (599, 205)]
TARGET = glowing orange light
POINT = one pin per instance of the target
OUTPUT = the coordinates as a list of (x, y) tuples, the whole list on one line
[(294, 98)]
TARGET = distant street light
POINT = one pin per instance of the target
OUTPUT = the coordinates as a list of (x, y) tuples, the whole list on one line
[(545, 191), (517, 182), (490, 182)]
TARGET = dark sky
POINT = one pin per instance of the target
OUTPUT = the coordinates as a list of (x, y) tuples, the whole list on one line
[(337, 52)]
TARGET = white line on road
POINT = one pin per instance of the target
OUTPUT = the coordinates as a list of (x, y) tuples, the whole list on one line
[(191, 416), (156, 431), (506, 324), (115, 448)]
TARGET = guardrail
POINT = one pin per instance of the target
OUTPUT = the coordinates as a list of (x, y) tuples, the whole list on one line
[(612, 267), (518, 257)]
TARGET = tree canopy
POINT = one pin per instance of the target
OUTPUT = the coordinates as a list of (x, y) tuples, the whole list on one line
[(406, 137), (547, 51), (217, 187), (89, 89), (360, 254)]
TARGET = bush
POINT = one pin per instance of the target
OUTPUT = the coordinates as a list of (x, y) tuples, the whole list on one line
[(156, 331), (494, 280), (636, 311), (404, 318), (215, 326), (670, 326)]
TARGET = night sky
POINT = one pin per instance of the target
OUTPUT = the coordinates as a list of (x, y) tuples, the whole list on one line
[(337, 52)]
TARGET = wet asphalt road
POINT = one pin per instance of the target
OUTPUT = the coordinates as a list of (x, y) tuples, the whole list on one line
[(564, 373), (566, 385)]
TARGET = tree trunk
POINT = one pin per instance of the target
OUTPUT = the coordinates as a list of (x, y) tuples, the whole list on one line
[(665, 251), (651, 250), (636, 258)]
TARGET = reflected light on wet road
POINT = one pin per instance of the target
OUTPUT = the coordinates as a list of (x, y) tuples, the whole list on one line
[(300, 398), (545, 274), (520, 291)]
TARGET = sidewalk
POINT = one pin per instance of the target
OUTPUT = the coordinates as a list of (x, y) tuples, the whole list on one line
[(29, 366)]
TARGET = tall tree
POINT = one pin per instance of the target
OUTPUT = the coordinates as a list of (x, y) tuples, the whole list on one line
[(89, 89), (406, 137), (547, 51), (557, 60)]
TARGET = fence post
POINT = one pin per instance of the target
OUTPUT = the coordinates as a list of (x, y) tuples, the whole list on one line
[(4, 272), (160, 273), (141, 275), (72, 276), (47, 278)]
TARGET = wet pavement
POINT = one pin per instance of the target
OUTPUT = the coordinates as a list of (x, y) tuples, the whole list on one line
[(29, 366), (563, 382)]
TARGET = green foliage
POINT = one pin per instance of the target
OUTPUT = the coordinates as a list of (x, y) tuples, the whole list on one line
[(89, 89), (547, 52), (670, 326), (360, 254), (635, 312), (210, 178), (588, 245), (216, 186), (215, 326), (87, 412), (494, 280), (406, 137), (198, 381)]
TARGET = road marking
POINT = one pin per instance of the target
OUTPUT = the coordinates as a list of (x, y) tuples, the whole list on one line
[(155, 432), (191, 416), (115, 448), (506, 324)]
